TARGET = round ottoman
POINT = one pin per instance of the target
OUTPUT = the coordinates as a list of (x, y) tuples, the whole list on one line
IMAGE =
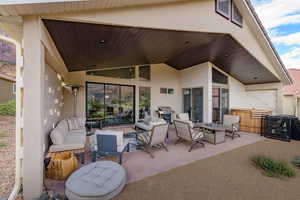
[(98, 181)]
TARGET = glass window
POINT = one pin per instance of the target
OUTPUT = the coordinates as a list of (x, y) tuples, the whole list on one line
[(164, 90), (219, 77), (144, 101), (145, 73), (223, 7), (170, 91), (123, 73), (95, 100), (113, 104), (14, 88), (236, 16)]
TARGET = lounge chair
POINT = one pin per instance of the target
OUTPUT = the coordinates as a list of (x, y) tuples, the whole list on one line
[(109, 142), (185, 132), (231, 124), (154, 138), (185, 117)]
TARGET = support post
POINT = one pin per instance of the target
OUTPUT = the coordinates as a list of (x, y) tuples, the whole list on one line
[(34, 70)]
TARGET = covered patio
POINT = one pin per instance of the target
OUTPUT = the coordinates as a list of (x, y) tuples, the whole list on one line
[(139, 165), (121, 71), (125, 60)]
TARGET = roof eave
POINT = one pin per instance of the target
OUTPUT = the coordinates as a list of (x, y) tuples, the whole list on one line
[(268, 39)]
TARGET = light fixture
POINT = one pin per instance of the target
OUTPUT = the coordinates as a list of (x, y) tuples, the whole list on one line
[(74, 89), (102, 42)]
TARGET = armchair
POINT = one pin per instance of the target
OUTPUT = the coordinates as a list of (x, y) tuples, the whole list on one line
[(185, 132), (232, 125)]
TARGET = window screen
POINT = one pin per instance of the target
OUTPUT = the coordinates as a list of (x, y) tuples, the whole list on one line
[(219, 77), (223, 7), (123, 73), (145, 73), (236, 16)]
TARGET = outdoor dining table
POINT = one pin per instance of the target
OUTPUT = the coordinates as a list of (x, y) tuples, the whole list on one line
[(213, 133)]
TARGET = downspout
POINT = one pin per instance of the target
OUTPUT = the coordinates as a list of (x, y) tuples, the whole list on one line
[(18, 132), (19, 149)]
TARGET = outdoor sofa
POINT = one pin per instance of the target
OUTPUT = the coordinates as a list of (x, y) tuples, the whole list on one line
[(69, 134)]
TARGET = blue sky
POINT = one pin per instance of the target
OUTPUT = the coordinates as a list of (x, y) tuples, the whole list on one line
[(281, 18)]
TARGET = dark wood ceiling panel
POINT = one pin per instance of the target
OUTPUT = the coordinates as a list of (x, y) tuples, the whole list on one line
[(86, 46)]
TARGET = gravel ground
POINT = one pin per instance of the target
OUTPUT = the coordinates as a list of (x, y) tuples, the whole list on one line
[(7, 155), (227, 176)]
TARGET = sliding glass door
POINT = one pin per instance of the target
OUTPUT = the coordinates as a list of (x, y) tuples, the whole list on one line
[(220, 99), (193, 103), (114, 104)]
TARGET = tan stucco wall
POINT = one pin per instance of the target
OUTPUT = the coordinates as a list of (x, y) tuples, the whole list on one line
[(289, 105), (200, 76), (6, 91), (199, 16), (53, 102)]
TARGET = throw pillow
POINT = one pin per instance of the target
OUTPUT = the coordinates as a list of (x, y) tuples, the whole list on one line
[(57, 136)]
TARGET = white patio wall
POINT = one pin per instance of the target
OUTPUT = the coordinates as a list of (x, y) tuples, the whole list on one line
[(200, 76), (53, 102), (290, 105), (240, 97)]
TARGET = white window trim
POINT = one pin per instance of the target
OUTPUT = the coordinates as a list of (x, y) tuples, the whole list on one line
[(14, 88), (226, 15)]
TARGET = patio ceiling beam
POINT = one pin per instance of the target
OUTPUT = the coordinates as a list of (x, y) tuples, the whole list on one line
[(85, 46)]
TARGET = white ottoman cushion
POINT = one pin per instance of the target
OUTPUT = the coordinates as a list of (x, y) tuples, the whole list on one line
[(99, 181)]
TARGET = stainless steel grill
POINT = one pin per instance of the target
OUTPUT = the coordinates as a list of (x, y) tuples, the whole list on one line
[(166, 113)]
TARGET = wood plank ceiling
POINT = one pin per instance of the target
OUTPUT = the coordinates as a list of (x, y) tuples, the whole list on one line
[(86, 46)]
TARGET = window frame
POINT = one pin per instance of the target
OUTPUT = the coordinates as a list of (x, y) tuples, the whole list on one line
[(234, 8), (222, 13), (14, 88)]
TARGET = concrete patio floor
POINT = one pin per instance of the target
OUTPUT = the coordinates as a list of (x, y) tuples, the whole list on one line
[(140, 165)]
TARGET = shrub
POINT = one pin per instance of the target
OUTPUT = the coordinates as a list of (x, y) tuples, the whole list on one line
[(296, 161), (2, 145), (8, 109), (273, 168)]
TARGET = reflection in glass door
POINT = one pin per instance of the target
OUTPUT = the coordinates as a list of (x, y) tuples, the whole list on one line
[(220, 103), (193, 103), (114, 104)]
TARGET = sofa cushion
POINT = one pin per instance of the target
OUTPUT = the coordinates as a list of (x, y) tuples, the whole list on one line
[(183, 116), (63, 126), (80, 132), (81, 122), (73, 124), (65, 147), (70, 143), (57, 136)]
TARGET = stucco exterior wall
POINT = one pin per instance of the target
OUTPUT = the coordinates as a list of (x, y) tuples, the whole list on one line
[(185, 16), (6, 91), (200, 76), (240, 97), (289, 105), (53, 102)]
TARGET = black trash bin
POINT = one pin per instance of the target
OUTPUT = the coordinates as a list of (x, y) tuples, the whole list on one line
[(283, 127)]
